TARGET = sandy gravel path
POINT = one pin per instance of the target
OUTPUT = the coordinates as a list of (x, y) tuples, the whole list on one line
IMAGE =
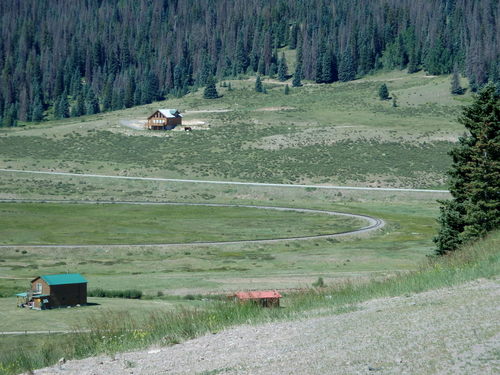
[(446, 331), (334, 187)]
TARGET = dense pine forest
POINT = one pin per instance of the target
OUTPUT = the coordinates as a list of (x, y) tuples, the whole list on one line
[(62, 58)]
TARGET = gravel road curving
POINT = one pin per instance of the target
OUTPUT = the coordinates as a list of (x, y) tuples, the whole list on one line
[(446, 331), (373, 223), (334, 187)]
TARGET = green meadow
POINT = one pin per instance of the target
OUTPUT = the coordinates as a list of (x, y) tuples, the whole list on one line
[(59, 224), (318, 134), (338, 133)]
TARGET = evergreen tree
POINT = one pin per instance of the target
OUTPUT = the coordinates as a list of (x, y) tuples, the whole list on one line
[(294, 32), (137, 96), (241, 56), (262, 67), (297, 82), (346, 67), (383, 92), (210, 91), (258, 84), (475, 176), (297, 76), (80, 105), (287, 90), (37, 114), (107, 96), (326, 68), (412, 62), (117, 100), (456, 88), (10, 116), (272, 70), (63, 107), (318, 75), (91, 102), (128, 99), (59, 83), (229, 87), (282, 68)]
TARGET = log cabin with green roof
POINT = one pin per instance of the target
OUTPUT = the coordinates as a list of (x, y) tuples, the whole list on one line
[(52, 291)]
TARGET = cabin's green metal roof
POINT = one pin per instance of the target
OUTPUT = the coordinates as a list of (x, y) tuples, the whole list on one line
[(23, 294), (64, 278)]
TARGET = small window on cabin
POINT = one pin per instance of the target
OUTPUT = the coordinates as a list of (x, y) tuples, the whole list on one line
[(39, 287)]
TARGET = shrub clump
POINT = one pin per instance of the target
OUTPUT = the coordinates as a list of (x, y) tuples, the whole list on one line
[(126, 293)]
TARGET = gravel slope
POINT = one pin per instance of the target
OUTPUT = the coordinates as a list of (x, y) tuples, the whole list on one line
[(447, 331)]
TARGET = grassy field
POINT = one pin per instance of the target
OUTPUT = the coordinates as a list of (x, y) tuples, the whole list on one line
[(321, 134), (339, 133), (45, 223), (193, 269), (114, 332)]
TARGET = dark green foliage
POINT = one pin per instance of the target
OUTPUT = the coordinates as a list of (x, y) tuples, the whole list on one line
[(347, 72), (456, 88), (297, 82), (10, 116), (383, 92), (282, 69), (475, 176), (273, 69), (78, 108), (329, 72), (241, 56), (127, 293), (413, 62), (294, 33), (439, 59), (286, 91), (297, 76), (210, 91), (117, 100), (61, 109), (137, 52), (91, 103), (107, 96), (37, 114), (258, 84)]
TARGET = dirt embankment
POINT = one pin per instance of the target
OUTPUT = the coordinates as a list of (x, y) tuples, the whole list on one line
[(446, 331)]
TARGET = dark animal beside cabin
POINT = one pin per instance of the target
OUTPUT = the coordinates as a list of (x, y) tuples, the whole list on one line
[(187, 129)]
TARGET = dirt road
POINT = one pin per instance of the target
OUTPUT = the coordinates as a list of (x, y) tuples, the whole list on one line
[(335, 187), (447, 331)]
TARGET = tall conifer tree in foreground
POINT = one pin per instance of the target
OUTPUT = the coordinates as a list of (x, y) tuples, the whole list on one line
[(475, 176)]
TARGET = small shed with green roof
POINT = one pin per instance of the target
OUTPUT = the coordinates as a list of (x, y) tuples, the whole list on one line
[(48, 291)]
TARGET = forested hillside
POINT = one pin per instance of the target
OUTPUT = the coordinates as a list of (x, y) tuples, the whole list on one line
[(62, 58)]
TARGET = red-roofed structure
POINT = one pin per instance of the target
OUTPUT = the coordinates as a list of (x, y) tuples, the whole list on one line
[(263, 298)]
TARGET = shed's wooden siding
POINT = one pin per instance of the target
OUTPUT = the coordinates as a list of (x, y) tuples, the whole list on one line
[(157, 121)]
